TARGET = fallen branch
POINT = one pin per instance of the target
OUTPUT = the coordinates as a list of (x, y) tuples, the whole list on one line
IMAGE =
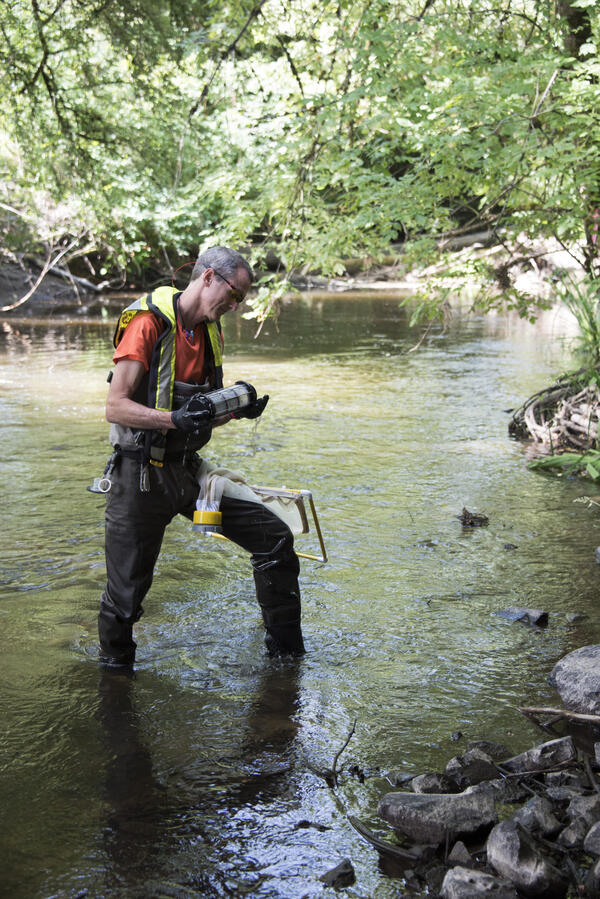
[(338, 754), (381, 845), (50, 263), (561, 713)]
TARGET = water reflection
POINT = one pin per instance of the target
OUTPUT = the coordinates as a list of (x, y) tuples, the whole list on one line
[(151, 814), (133, 796)]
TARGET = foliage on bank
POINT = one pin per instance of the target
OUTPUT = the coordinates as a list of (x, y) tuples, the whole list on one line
[(307, 131)]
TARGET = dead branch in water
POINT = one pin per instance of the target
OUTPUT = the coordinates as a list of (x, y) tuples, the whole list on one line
[(564, 416)]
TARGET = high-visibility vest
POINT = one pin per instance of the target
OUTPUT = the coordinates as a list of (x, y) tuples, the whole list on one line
[(152, 445)]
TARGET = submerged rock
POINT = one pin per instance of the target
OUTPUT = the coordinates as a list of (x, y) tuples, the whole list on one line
[(528, 616), (513, 854), (472, 519), (341, 876), (434, 817), (547, 755), (465, 883), (577, 679), (575, 617)]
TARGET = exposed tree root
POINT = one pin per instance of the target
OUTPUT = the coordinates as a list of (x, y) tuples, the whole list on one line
[(564, 416)]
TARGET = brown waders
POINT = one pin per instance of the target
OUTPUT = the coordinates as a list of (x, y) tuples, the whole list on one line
[(135, 525)]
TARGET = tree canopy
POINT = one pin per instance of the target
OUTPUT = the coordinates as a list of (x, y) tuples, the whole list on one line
[(309, 132)]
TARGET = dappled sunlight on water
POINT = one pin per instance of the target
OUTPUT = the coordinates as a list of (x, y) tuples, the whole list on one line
[(204, 772)]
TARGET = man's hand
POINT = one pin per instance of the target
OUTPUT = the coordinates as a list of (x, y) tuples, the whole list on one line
[(193, 415), (255, 409)]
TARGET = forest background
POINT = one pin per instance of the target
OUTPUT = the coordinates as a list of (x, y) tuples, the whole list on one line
[(308, 132)]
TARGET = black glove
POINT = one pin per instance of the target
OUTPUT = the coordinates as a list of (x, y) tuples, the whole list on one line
[(193, 415), (255, 409)]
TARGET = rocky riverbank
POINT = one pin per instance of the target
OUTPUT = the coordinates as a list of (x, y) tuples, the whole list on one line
[(492, 824)]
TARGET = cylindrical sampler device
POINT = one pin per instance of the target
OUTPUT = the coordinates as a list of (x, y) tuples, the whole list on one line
[(225, 400)]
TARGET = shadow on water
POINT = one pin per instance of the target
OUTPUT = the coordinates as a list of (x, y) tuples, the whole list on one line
[(172, 828), (199, 775)]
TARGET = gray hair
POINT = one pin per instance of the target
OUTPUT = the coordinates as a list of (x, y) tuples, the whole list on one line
[(223, 260)]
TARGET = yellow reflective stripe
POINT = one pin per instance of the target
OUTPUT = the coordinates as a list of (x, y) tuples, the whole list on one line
[(215, 341)]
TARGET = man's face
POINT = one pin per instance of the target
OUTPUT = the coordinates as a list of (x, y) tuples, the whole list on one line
[(223, 293)]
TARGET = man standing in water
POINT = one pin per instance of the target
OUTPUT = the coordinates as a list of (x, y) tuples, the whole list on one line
[(168, 347)]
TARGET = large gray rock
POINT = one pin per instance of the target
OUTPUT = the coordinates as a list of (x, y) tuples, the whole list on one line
[(542, 757), (572, 837), (465, 883), (431, 818), (592, 882), (432, 782), (538, 815), (514, 855), (577, 679), (496, 751), (472, 768), (585, 809), (591, 844)]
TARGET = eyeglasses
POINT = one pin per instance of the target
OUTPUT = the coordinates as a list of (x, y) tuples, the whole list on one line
[(238, 296)]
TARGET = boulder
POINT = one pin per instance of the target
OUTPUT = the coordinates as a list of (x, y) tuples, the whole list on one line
[(465, 883), (542, 757), (433, 783), (591, 844), (577, 678), (566, 779), (527, 616), (473, 767), (513, 854), (572, 837), (592, 882), (585, 808), (495, 751), (434, 817), (538, 815), (459, 855), (341, 876), (563, 795), (575, 617)]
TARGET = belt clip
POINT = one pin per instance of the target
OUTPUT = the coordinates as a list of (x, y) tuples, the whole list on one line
[(144, 478)]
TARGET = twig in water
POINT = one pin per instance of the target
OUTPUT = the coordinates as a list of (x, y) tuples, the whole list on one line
[(588, 770), (338, 754)]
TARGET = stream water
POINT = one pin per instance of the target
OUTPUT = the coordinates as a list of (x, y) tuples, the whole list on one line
[(202, 775)]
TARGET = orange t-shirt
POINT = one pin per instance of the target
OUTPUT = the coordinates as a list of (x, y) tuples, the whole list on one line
[(141, 334)]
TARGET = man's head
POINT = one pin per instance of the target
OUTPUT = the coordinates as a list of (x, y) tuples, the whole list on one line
[(220, 281), (222, 259)]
